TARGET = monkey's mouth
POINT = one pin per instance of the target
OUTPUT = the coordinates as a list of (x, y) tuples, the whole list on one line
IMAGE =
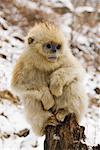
[(52, 58)]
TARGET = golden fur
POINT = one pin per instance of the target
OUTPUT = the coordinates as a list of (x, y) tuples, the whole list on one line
[(43, 84)]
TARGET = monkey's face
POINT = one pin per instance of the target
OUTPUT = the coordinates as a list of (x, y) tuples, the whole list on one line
[(48, 42), (51, 50)]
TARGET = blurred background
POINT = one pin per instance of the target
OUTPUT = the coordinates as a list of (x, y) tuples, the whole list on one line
[(80, 21)]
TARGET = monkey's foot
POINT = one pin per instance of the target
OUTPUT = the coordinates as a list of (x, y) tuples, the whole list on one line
[(51, 121), (61, 114)]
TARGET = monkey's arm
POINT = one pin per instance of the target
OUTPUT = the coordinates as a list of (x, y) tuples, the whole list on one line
[(22, 85), (64, 76), (42, 95)]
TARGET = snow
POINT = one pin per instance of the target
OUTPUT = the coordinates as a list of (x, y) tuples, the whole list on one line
[(15, 122), (84, 9), (12, 119), (92, 127)]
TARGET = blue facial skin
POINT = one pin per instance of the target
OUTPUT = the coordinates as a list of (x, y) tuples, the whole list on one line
[(53, 47)]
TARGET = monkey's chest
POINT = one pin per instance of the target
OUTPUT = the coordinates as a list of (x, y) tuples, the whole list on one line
[(40, 79)]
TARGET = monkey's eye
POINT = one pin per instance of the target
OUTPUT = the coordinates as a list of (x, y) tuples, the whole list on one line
[(30, 40), (58, 46), (48, 45)]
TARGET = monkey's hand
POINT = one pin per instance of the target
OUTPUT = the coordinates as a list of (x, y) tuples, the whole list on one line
[(42, 95), (47, 99), (56, 85)]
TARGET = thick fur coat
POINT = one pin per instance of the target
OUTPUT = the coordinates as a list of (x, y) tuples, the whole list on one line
[(45, 80)]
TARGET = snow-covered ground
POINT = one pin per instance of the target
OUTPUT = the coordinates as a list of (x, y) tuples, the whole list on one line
[(15, 132)]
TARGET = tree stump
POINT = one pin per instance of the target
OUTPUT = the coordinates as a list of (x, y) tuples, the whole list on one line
[(67, 135)]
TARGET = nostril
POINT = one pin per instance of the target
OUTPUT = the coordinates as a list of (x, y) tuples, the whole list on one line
[(54, 50)]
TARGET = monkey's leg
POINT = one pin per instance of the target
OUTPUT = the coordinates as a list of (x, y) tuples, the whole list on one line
[(73, 100), (62, 77), (35, 114), (76, 99)]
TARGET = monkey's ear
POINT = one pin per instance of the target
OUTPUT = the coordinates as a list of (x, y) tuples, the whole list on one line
[(30, 40)]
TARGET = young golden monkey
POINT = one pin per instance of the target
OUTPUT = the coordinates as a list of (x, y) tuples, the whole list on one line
[(47, 76)]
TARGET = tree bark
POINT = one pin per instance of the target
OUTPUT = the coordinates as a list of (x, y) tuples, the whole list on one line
[(67, 135)]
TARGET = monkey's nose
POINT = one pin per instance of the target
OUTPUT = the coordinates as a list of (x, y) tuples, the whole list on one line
[(53, 49)]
